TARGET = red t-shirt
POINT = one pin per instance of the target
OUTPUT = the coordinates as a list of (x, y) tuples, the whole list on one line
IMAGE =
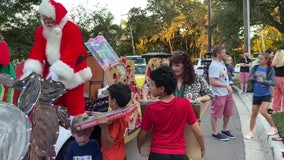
[(168, 121), (117, 150)]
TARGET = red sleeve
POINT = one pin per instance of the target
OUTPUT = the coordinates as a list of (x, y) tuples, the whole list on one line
[(72, 46), (146, 121), (4, 53), (117, 128), (191, 117), (38, 50)]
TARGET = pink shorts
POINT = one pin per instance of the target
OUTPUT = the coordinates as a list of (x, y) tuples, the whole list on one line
[(222, 105), (244, 77)]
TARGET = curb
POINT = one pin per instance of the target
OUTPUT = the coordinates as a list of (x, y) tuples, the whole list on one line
[(277, 146)]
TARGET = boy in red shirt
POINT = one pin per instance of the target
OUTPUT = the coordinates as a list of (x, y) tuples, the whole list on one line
[(167, 118), (112, 134)]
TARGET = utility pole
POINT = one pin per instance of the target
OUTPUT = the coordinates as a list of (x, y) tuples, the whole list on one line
[(246, 15), (209, 20), (132, 41)]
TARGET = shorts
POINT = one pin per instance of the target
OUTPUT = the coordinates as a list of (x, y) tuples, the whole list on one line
[(258, 100), (222, 105), (244, 77), (161, 156)]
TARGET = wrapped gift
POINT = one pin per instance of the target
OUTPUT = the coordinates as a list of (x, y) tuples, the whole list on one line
[(102, 51)]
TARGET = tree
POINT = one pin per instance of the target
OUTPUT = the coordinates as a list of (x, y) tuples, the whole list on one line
[(170, 25), (18, 20)]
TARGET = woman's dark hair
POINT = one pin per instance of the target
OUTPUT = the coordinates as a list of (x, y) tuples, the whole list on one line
[(164, 76), (189, 75)]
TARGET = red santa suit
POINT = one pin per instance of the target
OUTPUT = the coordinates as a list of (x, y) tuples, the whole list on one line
[(59, 52), (4, 53)]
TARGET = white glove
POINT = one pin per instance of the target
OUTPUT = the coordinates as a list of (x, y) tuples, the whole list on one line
[(53, 76)]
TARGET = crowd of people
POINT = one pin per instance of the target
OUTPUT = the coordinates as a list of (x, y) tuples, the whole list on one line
[(59, 54)]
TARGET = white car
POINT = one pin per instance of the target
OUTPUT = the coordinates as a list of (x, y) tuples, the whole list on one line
[(200, 65), (238, 66)]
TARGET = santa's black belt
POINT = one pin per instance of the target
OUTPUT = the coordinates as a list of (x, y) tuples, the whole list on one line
[(79, 60)]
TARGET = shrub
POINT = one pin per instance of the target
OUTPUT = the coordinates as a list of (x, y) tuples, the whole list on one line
[(278, 119)]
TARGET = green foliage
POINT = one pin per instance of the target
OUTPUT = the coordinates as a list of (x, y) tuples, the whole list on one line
[(170, 25), (18, 20), (278, 119)]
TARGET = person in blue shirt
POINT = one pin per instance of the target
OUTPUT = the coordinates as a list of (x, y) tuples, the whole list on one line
[(83, 148), (230, 68), (263, 77)]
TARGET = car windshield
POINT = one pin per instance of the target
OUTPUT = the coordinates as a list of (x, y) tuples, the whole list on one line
[(140, 69), (137, 59)]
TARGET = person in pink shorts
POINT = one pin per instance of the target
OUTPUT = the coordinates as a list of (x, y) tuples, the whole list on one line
[(245, 64), (222, 104)]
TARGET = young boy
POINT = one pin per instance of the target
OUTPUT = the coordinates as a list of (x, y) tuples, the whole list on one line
[(167, 118), (82, 147), (230, 68), (112, 134)]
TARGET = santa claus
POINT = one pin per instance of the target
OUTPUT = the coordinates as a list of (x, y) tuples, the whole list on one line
[(59, 53)]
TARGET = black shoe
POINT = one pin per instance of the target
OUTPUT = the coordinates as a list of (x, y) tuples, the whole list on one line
[(228, 134), (220, 137)]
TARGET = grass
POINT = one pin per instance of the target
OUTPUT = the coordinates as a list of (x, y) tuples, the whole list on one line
[(278, 119)]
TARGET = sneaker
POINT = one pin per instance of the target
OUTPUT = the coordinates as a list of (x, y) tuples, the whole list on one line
[(228, 134), (249, 135), (220, 137), (272, 131), (270, 110)]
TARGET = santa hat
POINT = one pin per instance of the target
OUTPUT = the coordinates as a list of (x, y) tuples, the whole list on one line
[(52, 9), (246, 52)]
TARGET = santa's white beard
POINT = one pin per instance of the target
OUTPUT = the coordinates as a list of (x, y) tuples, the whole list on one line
[(53, 41)]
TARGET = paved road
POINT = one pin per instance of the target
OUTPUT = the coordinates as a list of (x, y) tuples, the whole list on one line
[(236, 149)]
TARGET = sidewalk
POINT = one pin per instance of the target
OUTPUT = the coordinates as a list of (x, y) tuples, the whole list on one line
[(255, 145)]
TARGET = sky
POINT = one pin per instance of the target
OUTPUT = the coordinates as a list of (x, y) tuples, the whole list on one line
[(117, 7)]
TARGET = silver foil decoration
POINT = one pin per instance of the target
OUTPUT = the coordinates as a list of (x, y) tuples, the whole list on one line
[(30, 93), (18, 140), (15, 132)]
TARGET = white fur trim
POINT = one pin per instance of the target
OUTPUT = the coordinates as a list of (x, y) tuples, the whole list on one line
[(53, 40), (33, 65), (63, 70), (47, 9), (78, 78), (86, 73)]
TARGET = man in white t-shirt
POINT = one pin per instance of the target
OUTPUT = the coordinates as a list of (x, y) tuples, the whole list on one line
[(222, 104)]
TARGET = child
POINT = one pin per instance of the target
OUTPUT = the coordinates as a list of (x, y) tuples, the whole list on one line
[(82, 147), (167, 118), (230, 68), (112, 134), (263, 77)]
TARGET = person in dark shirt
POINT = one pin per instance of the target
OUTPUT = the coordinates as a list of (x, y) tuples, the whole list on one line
[(245, 64), (82, 147)]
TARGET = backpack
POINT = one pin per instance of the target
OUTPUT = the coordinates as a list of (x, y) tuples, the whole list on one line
[(251, 83)]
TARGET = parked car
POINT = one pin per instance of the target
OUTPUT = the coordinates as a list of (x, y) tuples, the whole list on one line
[(140, 71), (138, 60), (238, 66), (201, 66)]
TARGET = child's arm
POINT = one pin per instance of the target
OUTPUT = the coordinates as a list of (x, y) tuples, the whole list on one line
[(106, 138), (141, 138), (199, 136)]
